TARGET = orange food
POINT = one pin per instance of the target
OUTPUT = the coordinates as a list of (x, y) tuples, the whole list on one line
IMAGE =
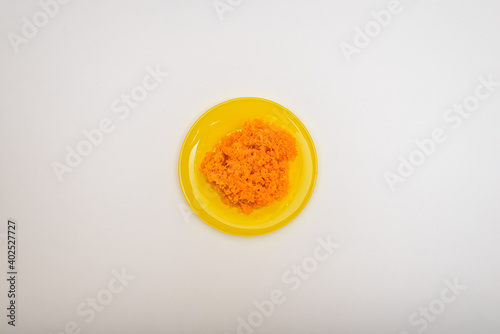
[(249, 167)]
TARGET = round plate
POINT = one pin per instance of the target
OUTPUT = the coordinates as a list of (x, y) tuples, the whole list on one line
[(207, 132)]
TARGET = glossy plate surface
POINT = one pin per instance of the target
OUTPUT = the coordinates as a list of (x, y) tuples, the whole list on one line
[(206, 133)]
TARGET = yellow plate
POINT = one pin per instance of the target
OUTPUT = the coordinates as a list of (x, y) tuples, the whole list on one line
[(206, 133)]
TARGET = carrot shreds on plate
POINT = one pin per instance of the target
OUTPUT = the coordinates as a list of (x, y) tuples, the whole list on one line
[(249, 167)]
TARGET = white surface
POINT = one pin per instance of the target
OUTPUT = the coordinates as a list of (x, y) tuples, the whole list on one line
[(122, 207)]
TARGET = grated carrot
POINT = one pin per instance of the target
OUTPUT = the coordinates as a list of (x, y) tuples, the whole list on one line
[(249, 167)]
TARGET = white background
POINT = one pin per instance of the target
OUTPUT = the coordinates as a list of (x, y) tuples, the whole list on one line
[(122, 207)]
